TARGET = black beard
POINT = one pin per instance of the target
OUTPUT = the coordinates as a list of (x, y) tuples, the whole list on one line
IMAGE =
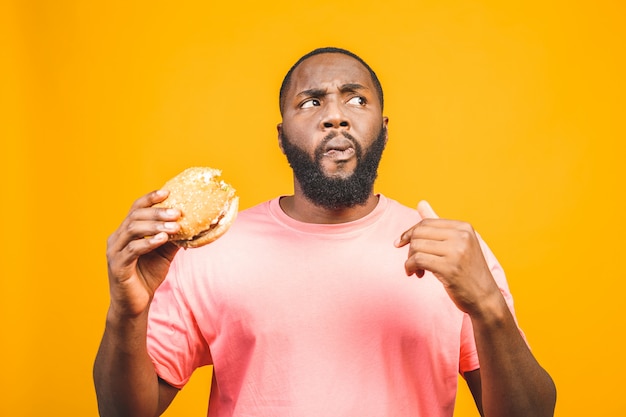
[(336, 193)]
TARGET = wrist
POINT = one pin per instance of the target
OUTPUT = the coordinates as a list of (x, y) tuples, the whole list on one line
[(119, 318), (491, 311)]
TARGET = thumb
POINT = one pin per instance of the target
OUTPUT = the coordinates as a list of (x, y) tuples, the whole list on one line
[(426, 211)]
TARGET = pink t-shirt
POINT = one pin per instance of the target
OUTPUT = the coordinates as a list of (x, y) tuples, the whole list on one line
[(311, 320)]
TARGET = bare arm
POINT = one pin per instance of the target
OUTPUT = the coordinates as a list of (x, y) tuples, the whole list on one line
[(138, 257), (510, 381), (125, 379), (472, 378)]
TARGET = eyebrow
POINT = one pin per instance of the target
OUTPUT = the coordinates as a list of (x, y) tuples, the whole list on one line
[(321, 92)]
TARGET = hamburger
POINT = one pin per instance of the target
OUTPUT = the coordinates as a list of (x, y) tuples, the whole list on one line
[(207, 204)]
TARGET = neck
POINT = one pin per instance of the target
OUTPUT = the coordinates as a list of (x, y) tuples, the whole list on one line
[(300, 208)]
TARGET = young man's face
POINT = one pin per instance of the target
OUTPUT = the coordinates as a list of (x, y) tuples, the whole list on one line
[(333, 132)]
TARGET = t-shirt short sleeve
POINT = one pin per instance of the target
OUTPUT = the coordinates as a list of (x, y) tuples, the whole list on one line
[(468, 357), (174, 341)]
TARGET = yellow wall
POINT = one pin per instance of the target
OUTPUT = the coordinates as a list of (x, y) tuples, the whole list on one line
[(507, 114)]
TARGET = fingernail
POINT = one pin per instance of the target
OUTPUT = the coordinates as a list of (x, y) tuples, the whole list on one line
[(159, 237), (170, 226)]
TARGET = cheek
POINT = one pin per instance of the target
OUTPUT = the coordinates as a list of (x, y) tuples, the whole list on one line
[(370, 133), (366, 123), (299, 135), (297, 138)]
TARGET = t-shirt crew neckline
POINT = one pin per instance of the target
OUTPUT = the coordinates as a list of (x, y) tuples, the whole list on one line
[(328, 229)]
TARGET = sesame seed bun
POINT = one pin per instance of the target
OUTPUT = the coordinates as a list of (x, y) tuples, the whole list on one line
[(208, 206)]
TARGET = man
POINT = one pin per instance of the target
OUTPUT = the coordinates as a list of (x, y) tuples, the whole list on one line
[(308, 305)]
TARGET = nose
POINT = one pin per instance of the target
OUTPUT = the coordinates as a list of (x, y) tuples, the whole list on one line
[(334, 117)]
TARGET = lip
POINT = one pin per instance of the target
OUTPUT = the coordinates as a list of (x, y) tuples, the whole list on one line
[(339, 148)]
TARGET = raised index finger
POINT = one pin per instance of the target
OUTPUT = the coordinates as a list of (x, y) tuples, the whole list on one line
[(426, 212)]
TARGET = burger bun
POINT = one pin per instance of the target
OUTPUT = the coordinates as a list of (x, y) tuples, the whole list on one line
[(207, 204)]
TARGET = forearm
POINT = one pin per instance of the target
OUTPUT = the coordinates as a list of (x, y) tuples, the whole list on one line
[(513, 382), (124, 376)]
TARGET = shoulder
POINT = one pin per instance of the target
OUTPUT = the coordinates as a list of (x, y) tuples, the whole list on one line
[(393, 209), (251, 224), (396, 206)]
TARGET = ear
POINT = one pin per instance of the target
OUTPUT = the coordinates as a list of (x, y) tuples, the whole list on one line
[(385, 124), (279, 129)]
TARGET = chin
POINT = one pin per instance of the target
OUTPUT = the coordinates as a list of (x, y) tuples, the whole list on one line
[(339, 172)]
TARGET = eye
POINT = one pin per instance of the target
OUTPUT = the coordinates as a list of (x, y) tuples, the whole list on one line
[(313, 102), (358, 100)]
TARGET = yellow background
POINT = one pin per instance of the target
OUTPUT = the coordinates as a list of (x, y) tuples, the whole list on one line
[(507, 114)]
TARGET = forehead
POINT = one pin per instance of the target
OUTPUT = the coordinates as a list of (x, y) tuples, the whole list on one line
[(327, 70)]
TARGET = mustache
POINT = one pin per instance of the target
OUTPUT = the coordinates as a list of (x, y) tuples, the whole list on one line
[(334, 134)]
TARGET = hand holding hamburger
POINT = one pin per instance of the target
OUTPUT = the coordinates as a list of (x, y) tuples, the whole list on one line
[(192, 209)]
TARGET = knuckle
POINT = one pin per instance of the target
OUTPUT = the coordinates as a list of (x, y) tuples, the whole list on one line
[(467, 227), (465, 238), (415, 248), (133, 214), (111, 240), (131, 228), (132, 249), (109, 253), (465, 234), (417, 258)]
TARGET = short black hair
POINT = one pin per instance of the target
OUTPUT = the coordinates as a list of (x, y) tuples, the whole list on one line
[(328, 50)]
